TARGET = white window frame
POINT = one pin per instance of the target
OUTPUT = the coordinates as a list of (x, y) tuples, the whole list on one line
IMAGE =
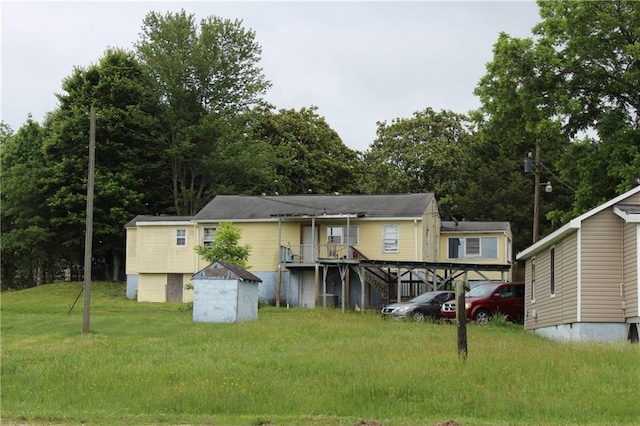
[(181, 237), (465, 253), (390, 238), (533, 279), (477, 245), (208, 235), (338, 235)]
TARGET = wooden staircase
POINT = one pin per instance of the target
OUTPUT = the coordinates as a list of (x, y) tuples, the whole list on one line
[(377, 278)]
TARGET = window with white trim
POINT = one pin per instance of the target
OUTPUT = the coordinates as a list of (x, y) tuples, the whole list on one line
[(533, 279), (390, 238), (552, 272), (208, 236), (340, 234), (473, 247), (181, 237)]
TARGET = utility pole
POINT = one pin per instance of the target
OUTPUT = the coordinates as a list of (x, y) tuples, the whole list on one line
[(536, 200), (88, 236)]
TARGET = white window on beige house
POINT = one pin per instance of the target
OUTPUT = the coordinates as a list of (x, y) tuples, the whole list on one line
[(181, 237), (390, 238)]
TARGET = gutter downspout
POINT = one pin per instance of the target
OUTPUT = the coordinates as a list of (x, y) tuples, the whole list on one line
[(415, 240)]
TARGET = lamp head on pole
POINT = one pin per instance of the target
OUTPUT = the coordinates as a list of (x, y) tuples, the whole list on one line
[(548, 187)]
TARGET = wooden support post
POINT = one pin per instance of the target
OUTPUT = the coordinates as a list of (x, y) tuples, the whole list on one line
[(461, 317), (278, 285)]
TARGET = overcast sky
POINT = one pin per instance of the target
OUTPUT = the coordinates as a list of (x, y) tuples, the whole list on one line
[(358, 62)]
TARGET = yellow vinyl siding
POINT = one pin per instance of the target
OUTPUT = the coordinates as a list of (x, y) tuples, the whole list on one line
[(601, 267), (152, 287), (157, 251), (131, 266), (370, 239), (630, 269), (501, 259), (263, 239)]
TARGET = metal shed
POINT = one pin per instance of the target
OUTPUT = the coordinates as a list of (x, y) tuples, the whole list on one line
[(224, 292)]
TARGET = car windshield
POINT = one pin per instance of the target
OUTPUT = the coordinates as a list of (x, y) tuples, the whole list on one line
[(481, 291), (423, 298)]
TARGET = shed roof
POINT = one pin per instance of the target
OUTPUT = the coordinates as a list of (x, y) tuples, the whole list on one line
[(236, 271), (473, 226), (242, 207)]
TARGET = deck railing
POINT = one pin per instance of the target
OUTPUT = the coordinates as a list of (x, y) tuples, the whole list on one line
[(308, 253)]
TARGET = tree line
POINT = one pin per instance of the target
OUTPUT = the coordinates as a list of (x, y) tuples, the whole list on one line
[(182, 118)]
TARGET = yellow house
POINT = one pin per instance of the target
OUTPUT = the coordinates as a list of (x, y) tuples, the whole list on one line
[(478, 243), (308, 250)]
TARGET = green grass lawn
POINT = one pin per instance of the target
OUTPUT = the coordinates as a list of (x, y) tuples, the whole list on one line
[(148, 363)]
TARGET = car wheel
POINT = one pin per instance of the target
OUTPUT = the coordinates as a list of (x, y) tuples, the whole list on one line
[(482, 316), (418, 316)]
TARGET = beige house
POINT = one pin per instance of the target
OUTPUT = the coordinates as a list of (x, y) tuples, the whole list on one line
[(582, 280), (308, 250)]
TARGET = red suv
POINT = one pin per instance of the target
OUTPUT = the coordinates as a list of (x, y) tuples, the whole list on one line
[(485, 300)]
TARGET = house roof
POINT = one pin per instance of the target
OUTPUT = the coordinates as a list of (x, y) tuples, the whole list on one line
[(242, 207), (473, 226), (156, 219), (575, 224)]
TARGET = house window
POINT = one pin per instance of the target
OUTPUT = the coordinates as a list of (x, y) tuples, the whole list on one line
[(473, 247), (533, 279), (208, 236), (181, 237), (390, 238), (552, 272), (340, 234)]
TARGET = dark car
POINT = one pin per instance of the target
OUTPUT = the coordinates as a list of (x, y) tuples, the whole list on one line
[(486, 300), (427, 305)]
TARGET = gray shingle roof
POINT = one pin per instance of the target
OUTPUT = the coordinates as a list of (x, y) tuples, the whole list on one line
[(473, 226), (154, 218), (241, 207)]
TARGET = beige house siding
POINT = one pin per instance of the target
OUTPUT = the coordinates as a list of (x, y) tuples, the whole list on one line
[(630, 269), (157, 251), (549, 309), (371, 239), (601, 273), (131, 266), (567, 281)]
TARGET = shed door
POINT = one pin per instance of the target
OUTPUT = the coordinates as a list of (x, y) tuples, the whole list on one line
[(174, 288)]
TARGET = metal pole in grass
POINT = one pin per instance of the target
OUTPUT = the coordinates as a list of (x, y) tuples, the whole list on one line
[(461, 317), (88, 236)]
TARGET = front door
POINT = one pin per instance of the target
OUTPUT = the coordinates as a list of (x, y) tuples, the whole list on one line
[(308, 244), (307, 289), (174, 288)]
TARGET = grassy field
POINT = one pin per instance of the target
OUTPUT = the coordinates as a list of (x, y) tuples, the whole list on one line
[(150, 364)]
